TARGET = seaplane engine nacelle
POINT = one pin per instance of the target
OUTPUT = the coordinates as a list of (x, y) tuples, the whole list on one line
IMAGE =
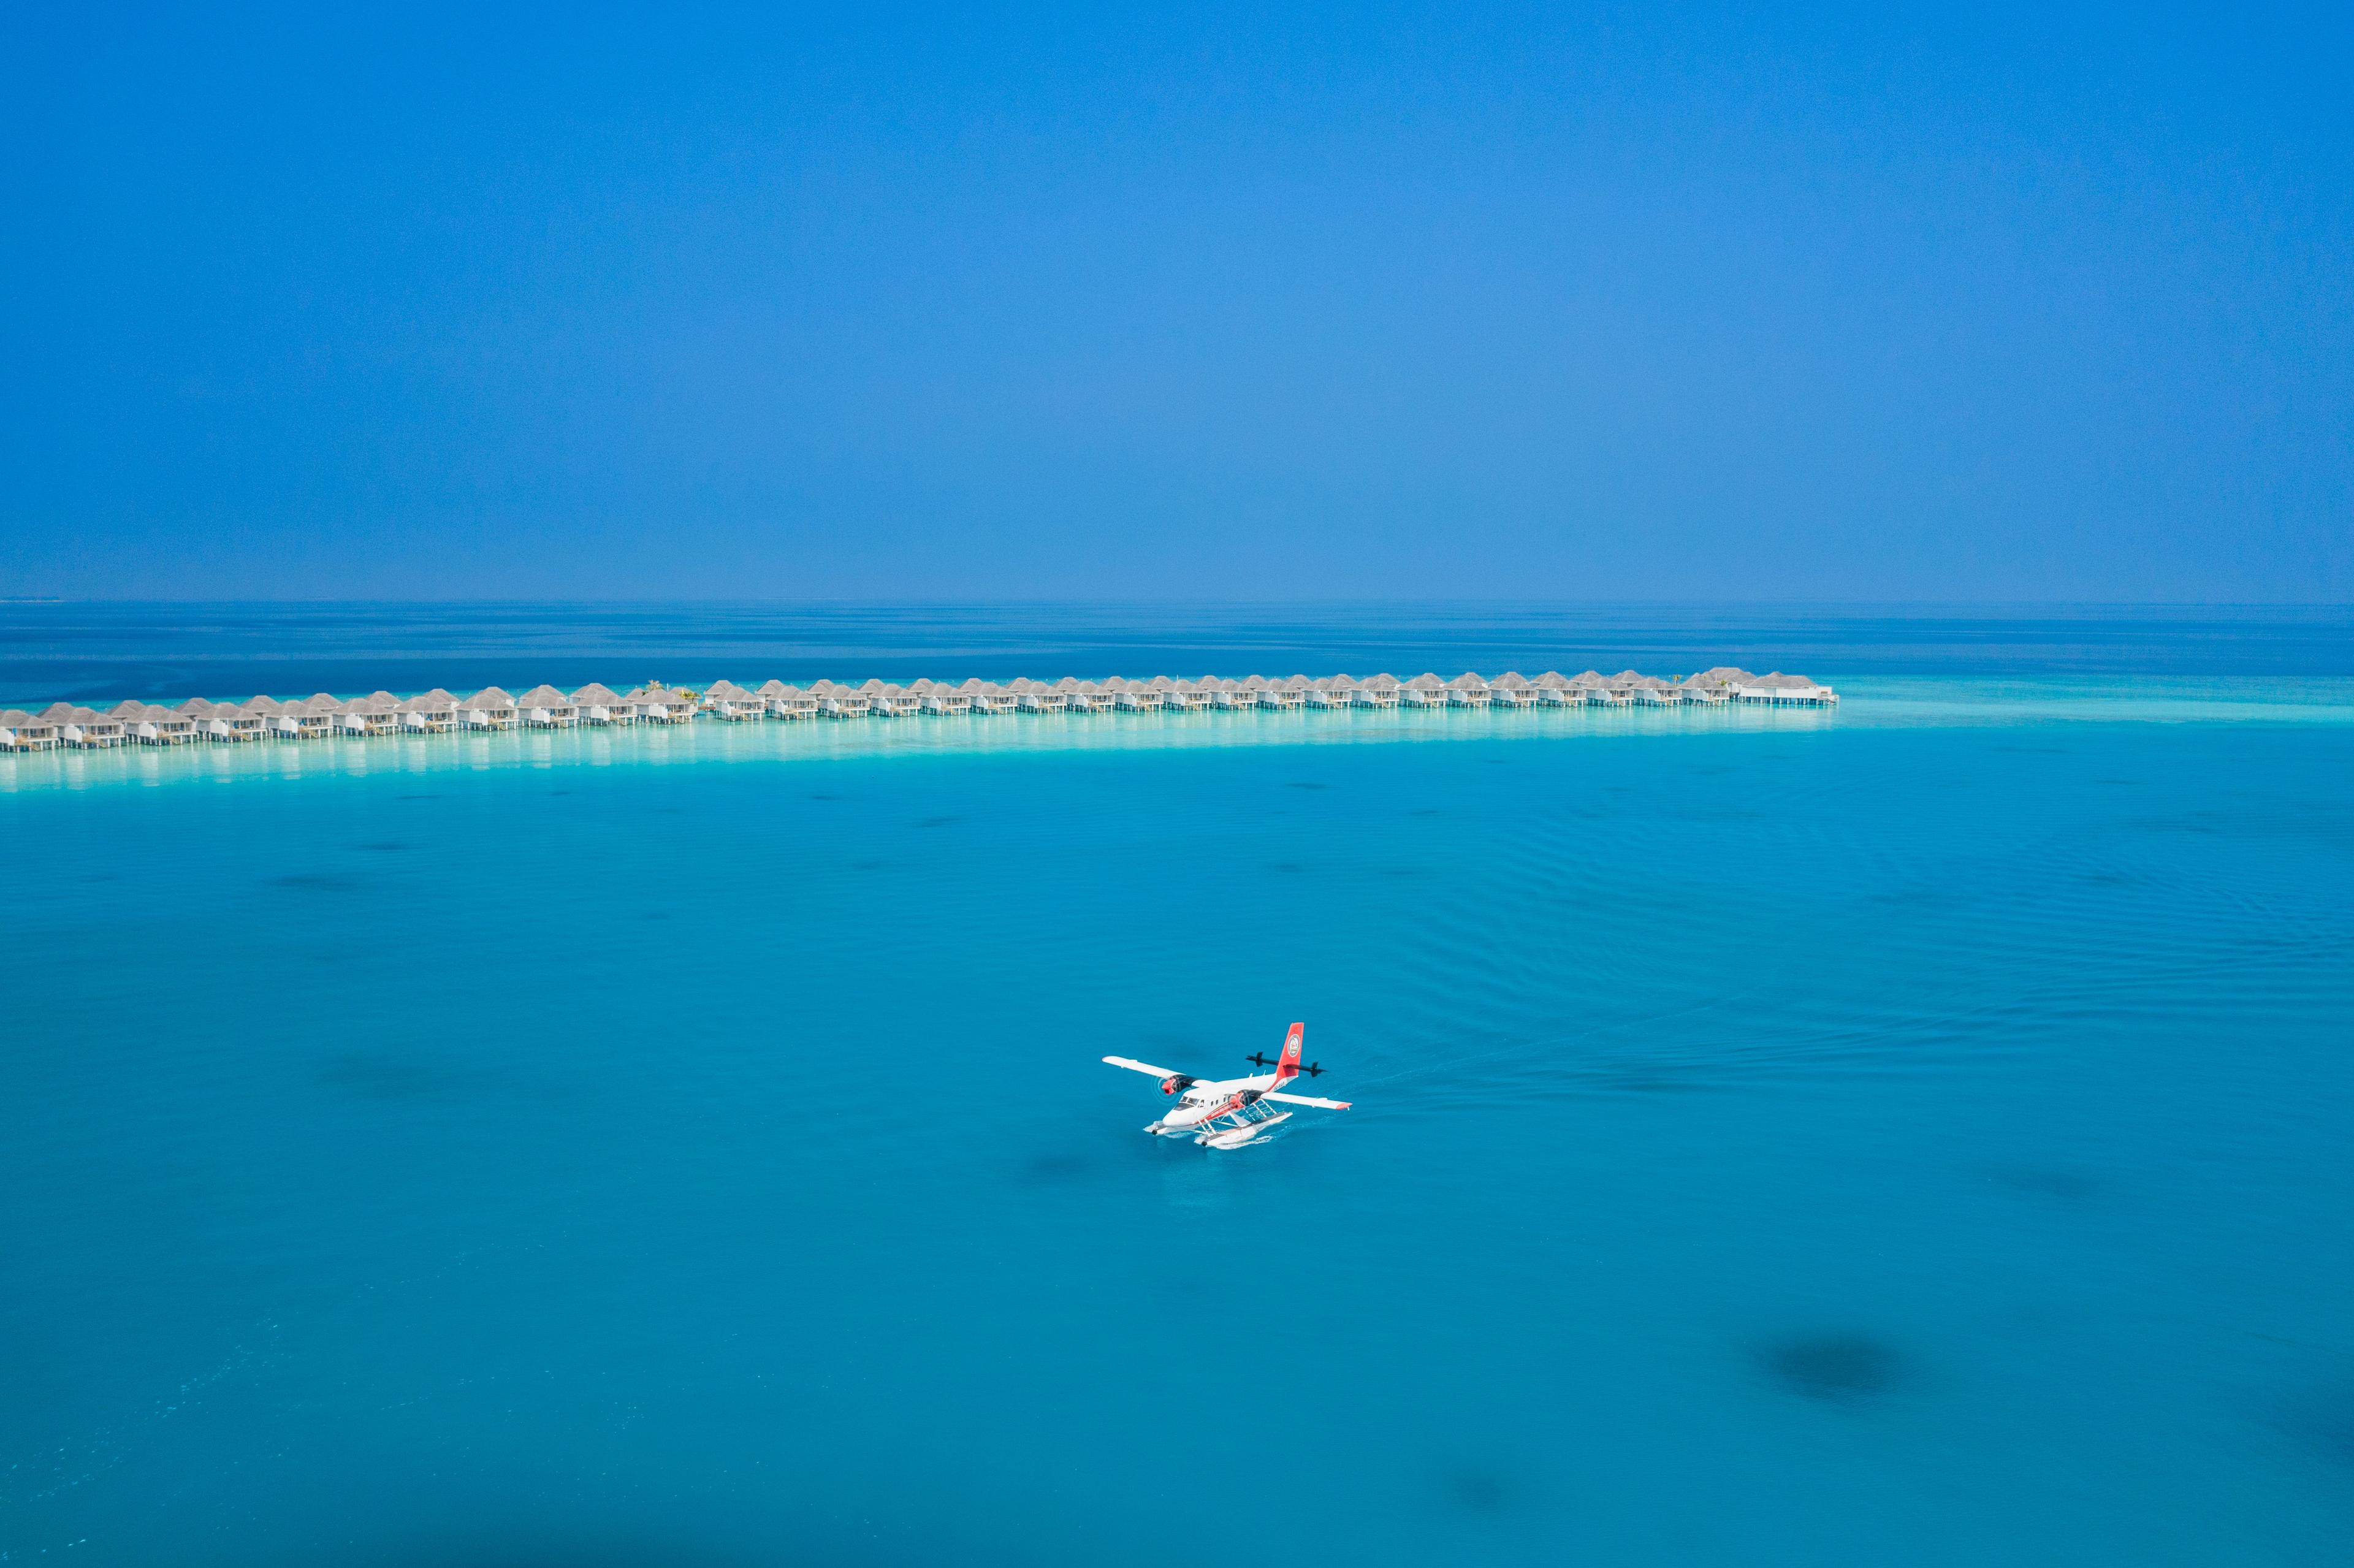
[(1177, 1084)]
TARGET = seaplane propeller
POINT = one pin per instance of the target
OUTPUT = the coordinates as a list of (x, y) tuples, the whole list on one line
[(1261, 1059)]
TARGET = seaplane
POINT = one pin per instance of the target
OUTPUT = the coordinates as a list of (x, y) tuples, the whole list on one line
[(1232, 1113)]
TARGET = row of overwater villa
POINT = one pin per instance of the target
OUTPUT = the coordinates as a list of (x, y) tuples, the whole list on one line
[(136, 723)]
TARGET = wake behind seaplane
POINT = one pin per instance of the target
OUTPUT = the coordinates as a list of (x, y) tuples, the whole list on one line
[(1230, 1113)]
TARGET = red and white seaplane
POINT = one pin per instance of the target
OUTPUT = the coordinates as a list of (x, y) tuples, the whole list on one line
[(1230, 1113)]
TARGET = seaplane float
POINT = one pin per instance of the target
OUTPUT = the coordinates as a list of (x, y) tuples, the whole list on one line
[(1232, 1113)]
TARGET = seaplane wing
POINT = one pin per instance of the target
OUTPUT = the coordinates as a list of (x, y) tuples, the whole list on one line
[(1305, 1100), (1133, 1066)]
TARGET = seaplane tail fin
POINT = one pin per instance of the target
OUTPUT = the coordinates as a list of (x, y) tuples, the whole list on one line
[(1287, 1066)]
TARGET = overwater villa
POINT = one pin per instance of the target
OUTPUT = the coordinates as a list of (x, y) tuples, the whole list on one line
[(787, 701), (835, 701), (601, 704), (1785, 691), (224, 723), (262, 716), (430, 712), (1722, 678), (284, 720), (1618, 690), (878, 699), (490, 709), (544, 707), (660, 705), (82, 729), (1713, 688), (1648, 690), (1468, 691), (132, 722), (145, 723), (378, 712), (198, 712), (727, 701), (314, 717), (1423, 691), (21, 731)]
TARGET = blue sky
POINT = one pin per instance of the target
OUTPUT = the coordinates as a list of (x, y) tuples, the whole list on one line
[(1588, 304)]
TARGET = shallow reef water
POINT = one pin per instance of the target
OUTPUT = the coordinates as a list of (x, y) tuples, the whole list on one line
[(1867, 1137)]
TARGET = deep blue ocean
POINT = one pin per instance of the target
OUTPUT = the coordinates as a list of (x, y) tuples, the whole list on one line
[(1916, 1132)]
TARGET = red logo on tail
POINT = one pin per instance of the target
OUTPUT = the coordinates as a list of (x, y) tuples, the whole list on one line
[(1287, 1068)]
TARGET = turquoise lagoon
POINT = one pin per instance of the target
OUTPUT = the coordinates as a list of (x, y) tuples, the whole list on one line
[(1916, 1132)]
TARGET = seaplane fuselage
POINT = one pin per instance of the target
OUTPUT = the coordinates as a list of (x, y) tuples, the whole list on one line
[(1207, 1100)]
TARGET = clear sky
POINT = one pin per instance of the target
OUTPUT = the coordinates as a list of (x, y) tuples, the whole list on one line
[(947, 303)]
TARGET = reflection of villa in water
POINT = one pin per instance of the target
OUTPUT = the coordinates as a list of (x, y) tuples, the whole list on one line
[(136, 723)]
